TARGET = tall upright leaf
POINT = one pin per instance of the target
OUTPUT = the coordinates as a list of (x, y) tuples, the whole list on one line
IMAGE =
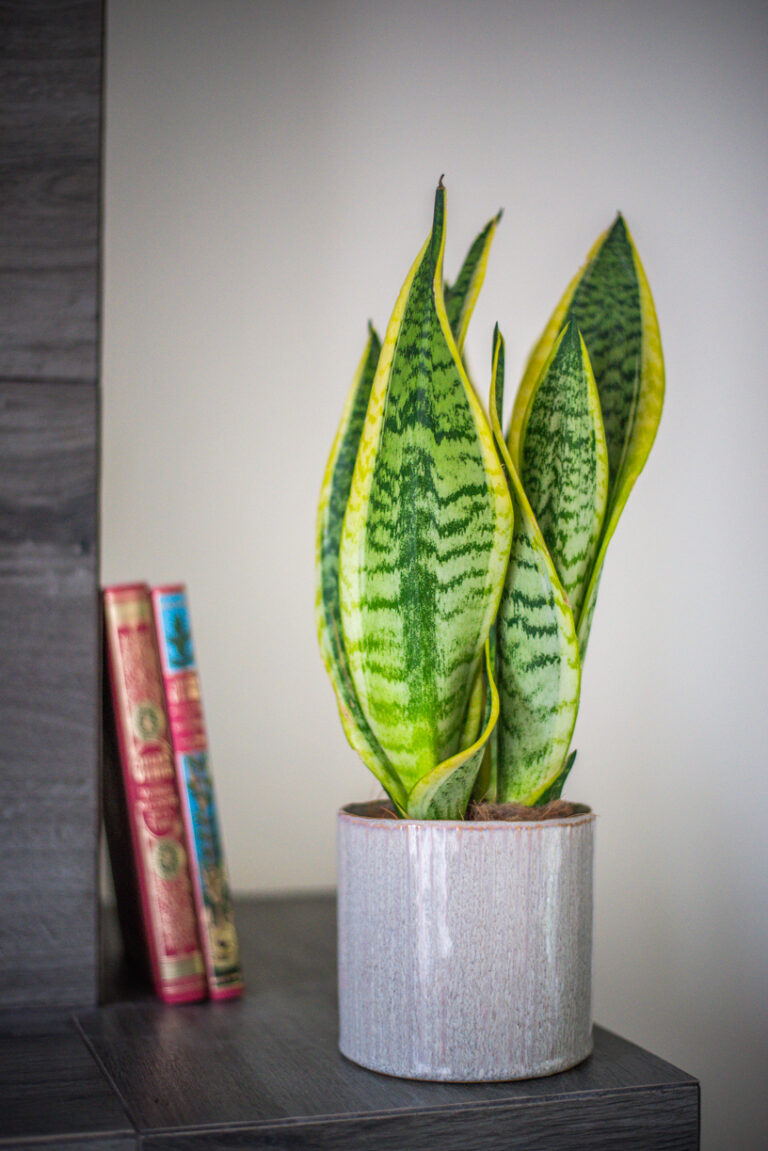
[(564, 462), (610, 302), (426, 534), (538, 665), (334, 494), (461, 296), (460, 299), (444, 792)]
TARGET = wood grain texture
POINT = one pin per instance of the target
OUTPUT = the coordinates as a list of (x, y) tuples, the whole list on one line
[(48, 693), (50, 108), (265, 1071), (649, 1121), (52, 1091)]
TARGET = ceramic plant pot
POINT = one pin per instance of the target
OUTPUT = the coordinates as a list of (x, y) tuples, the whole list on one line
[(465, 949)]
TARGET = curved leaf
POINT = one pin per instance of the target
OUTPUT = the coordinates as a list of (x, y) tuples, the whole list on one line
[(610, 302), (564, 462), (539, 669), (426, 533), (485, 784), (333, 501), (473, 720), (446, 791), (461, 297), (555, 790)]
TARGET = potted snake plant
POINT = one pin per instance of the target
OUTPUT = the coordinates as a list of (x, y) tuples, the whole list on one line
[(457, 572)]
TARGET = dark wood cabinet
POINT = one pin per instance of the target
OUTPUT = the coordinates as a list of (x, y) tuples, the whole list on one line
[(50, 164), (265, 1072)]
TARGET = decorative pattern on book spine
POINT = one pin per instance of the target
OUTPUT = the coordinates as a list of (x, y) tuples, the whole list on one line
[(190, 745), (152, 796)]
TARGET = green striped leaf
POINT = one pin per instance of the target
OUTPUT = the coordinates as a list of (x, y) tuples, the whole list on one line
[(564, 462), (426, 535), (461, 297), (446, 791), (539, 670), (334, 494), (610, 302), (555, 790), (486, 783), (473, 718)]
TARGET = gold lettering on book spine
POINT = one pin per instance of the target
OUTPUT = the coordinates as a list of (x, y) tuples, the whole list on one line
[(183, 689), (153, 766), (154, 799), (130, 612), (171, 969)]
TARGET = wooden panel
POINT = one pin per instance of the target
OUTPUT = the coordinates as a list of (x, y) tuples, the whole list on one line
[(266, 1072), (51, 78), (50, 108), (646, 1121), (52, 1091), (48, 274), (48, 693)]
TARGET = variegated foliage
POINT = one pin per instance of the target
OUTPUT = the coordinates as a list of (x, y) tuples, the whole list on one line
[(437, 538), (610, 303), (537, 655), (414, 531), (583, 423)]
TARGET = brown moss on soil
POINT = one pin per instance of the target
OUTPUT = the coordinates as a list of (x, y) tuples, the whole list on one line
[(487, 812), (521, 813)]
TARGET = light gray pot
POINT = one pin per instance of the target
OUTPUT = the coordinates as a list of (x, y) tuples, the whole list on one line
[(465, 949)]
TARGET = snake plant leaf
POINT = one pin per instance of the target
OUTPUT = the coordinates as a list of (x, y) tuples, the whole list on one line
[(461, 297), (426, 534), (564, 462), (610, 301), (555, 790), (485, 784), (539, 670), (332, 505), (446, 791), (475, 710)]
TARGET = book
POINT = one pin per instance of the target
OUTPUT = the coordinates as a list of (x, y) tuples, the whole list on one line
[(142, 804), (189, 739)]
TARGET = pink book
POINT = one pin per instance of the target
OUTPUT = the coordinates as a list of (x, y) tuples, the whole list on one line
[(151, 794), (210, 885)]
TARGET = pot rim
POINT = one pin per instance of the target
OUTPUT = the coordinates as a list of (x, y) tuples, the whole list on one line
[(347, 815)]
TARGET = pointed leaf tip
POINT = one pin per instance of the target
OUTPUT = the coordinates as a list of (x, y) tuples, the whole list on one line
[(417, 603), (538, 665), (461, 296), (564, 461), (436, 236), (571, 340), (618, 229), (610, 301)]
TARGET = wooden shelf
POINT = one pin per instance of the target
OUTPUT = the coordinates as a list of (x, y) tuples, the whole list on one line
[(265, 1072)]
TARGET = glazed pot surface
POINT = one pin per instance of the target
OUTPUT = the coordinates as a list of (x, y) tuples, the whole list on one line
[(465, 949)]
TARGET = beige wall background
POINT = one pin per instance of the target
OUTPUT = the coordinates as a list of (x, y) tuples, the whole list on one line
[(269, 178)]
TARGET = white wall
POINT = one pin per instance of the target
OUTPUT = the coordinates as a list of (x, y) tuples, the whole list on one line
[(270, 172)]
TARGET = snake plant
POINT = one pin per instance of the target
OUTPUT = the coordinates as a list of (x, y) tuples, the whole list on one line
[(457, 568)]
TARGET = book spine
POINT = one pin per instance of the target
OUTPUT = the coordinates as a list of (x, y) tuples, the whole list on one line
[(190, 745), (153, 805)]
